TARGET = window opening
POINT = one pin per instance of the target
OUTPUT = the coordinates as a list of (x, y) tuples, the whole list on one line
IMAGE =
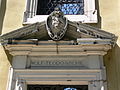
[(57, 87), (68, 7)]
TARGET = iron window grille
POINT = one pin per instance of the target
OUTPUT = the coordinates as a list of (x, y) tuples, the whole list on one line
[(75, 10), (57, 87), (68, 7)]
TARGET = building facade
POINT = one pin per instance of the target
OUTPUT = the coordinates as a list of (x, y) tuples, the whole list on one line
[(84, 57)]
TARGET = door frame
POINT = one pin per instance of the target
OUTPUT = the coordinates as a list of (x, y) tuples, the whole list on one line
[(22, 77)]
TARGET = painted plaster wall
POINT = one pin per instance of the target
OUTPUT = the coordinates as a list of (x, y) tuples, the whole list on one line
[(11, 17), (110, 21), (4, 69)]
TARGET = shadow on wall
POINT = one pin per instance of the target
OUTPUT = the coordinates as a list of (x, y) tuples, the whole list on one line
[(112, 63), (2, 13), (98, 24), (9, 56)]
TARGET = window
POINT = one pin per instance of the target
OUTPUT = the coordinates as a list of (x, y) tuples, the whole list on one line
[(68, 7), (74, 10), (57, 87)]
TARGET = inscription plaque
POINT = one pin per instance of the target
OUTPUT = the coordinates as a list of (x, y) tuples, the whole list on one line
[(55, 63)]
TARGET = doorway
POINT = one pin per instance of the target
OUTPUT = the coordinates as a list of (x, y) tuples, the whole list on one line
[(57, 87)]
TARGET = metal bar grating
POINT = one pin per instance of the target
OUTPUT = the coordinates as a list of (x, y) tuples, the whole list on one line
[(68, 7), (57, 87)]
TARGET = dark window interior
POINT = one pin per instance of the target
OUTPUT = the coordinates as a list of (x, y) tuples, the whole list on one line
[(57, 87), (68, 7)]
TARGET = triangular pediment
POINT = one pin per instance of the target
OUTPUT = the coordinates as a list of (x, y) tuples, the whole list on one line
[(57, 27), (87, 31), (74, 31)]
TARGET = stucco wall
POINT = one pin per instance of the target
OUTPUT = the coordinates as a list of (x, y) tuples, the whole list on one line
[(4, 69), (110, 21), (110, 16), (11, 17)]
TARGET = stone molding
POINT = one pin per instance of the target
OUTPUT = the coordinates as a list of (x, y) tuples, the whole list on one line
[(23, 77), (73, 75), (38, 50), (75, 30)]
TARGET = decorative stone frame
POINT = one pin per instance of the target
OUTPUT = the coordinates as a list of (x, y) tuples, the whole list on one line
[(89, 16), (22, 77), (21, 74)]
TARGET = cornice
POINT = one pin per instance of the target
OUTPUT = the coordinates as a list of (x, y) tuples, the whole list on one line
[(75, 30), (57, 49)]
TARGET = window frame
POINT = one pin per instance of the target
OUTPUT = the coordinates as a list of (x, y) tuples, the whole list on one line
[(89, 16)]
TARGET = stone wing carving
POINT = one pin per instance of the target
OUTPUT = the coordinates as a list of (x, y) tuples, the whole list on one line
[(33, 31)]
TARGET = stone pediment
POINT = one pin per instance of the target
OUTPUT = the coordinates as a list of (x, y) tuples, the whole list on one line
[(58, 52), (74, 31), (57, 28)]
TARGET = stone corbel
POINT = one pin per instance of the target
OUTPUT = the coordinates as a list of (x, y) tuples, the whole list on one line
[(20, 84), (97, 85)]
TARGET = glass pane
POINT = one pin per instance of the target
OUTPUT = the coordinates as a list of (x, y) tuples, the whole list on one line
[(68, 7), (57, 87), (70, 89)]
